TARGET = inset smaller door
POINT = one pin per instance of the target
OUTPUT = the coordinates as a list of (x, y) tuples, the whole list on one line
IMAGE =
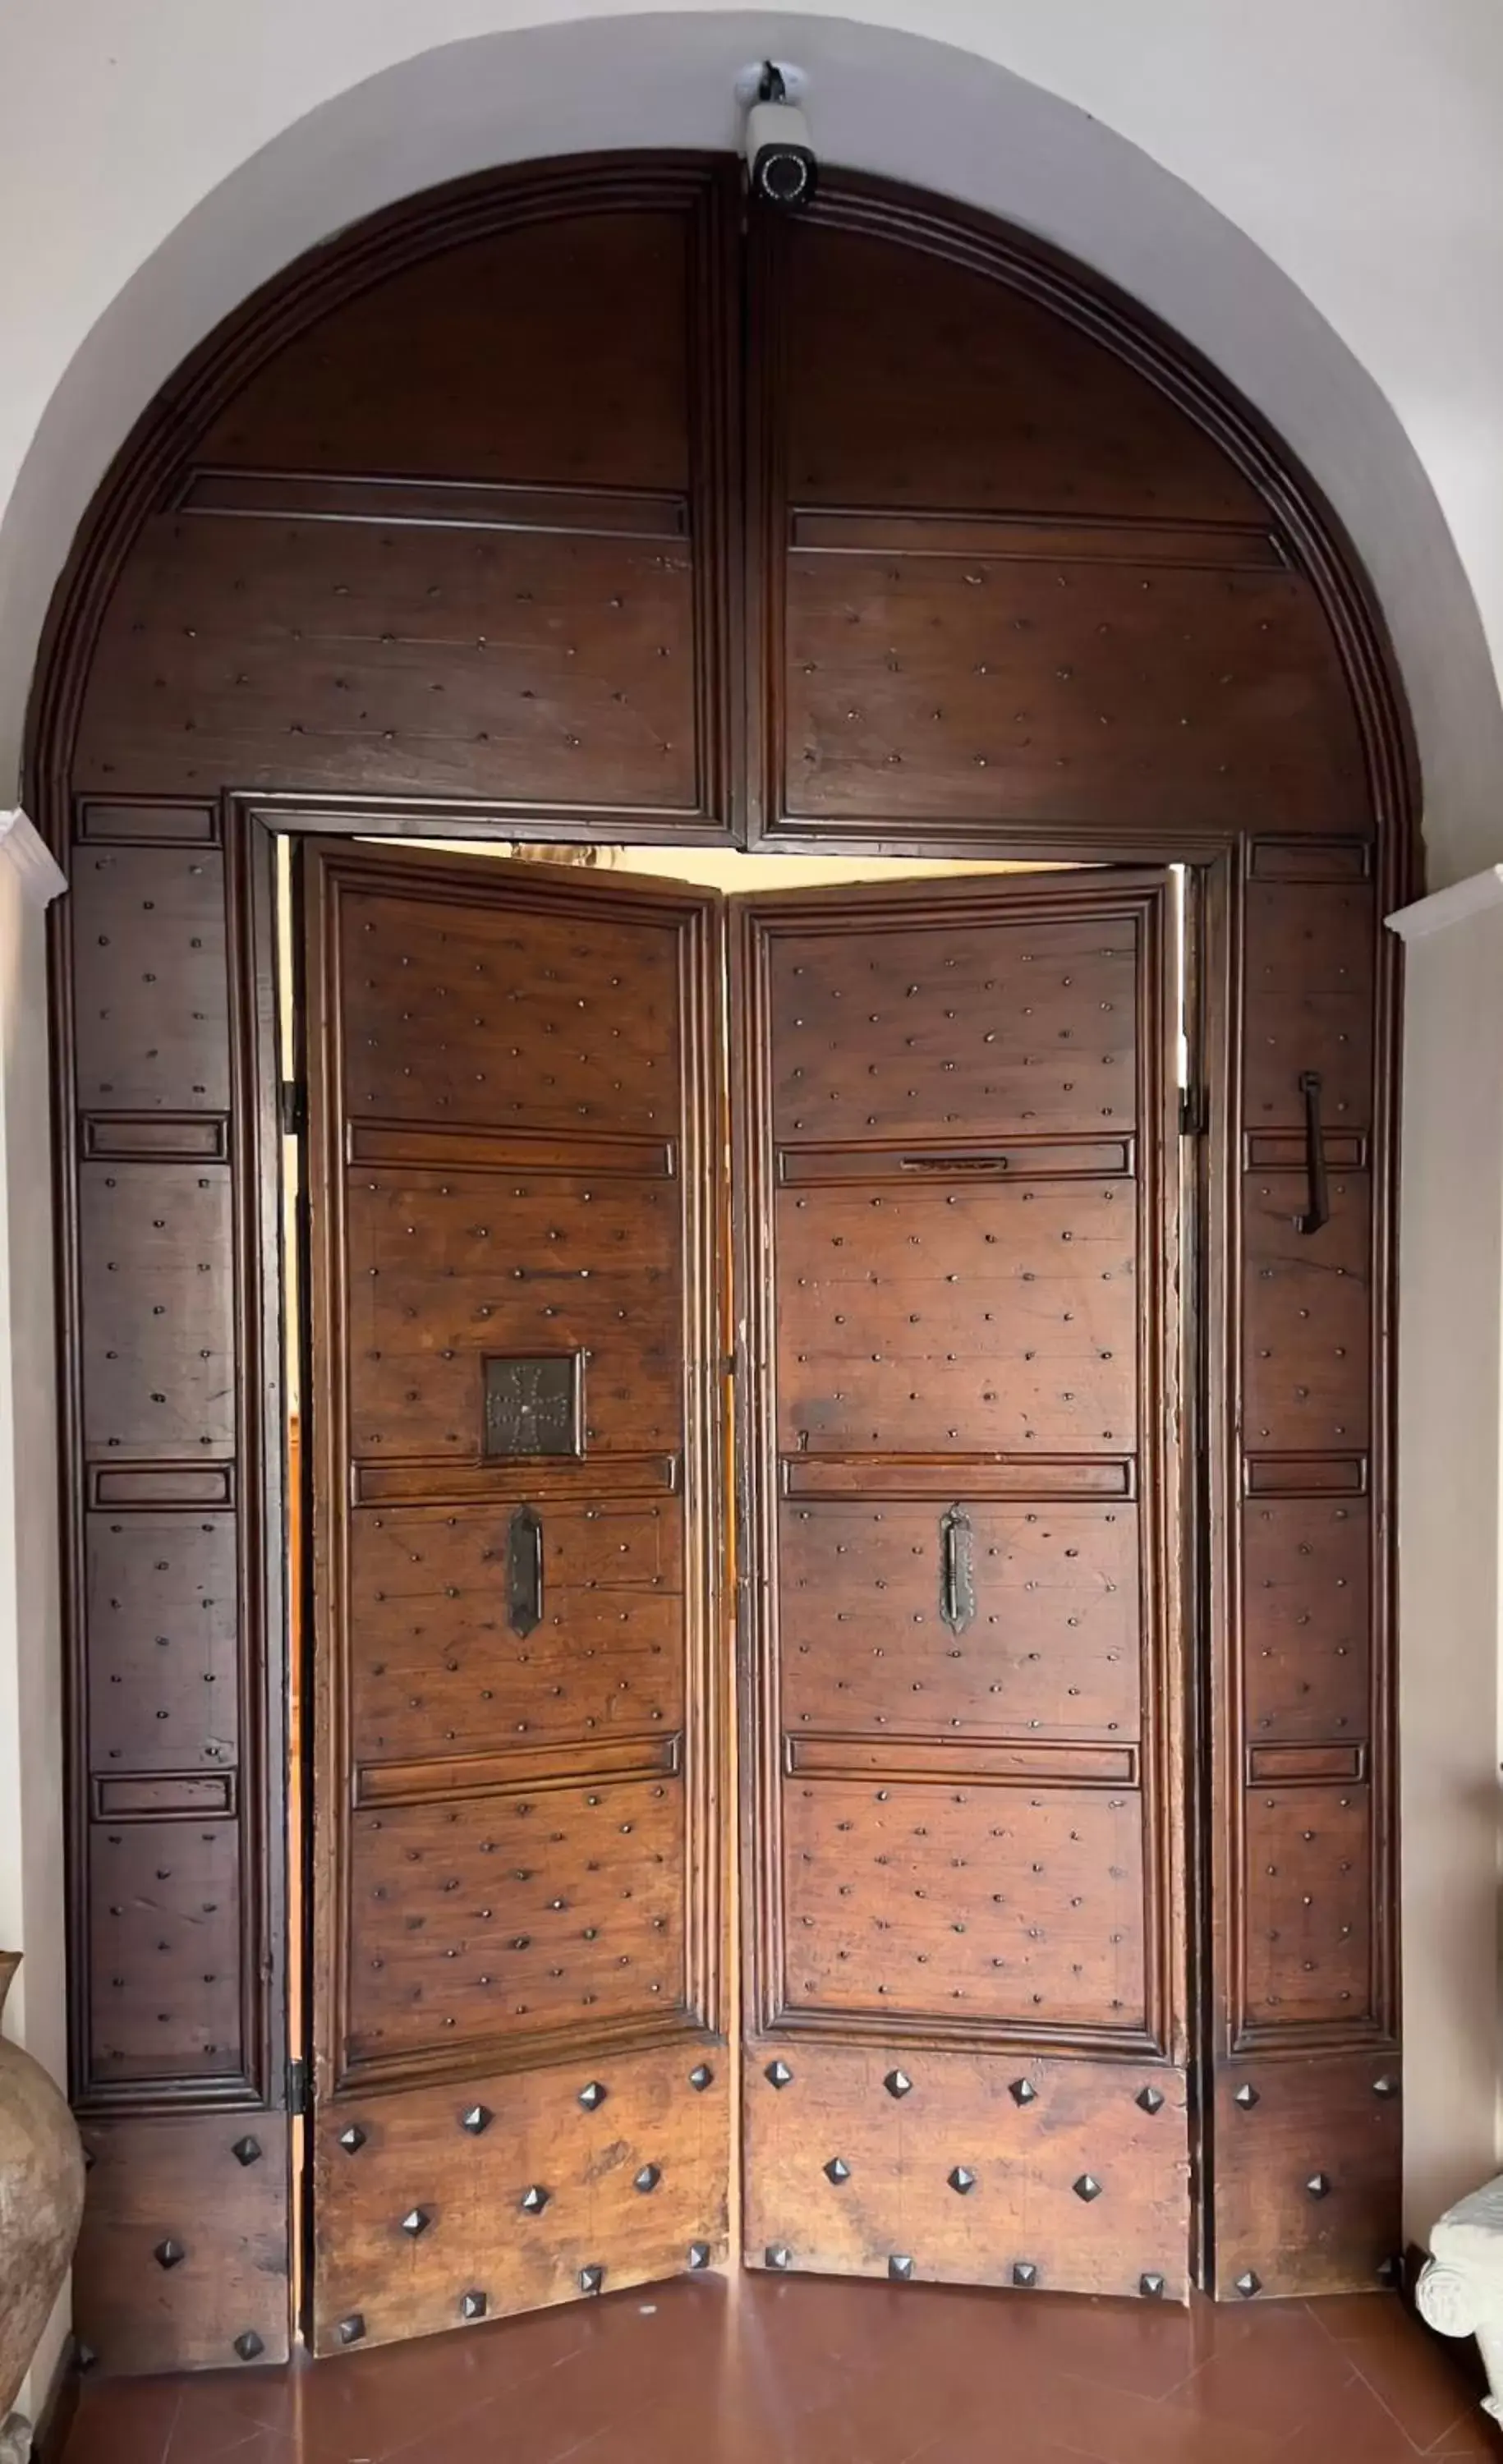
[(520, 2089), (966, 2042)]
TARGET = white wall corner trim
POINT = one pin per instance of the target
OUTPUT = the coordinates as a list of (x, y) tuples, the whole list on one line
[(1456, 904), (23, 846)]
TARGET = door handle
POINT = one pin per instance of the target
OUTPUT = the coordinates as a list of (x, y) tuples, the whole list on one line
[(525, 1571), (1318, 1210), (957, 1586)]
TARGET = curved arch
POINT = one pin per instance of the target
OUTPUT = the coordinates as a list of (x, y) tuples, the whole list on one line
[(911, 108)]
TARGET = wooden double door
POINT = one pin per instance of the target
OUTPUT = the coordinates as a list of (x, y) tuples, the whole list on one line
[(920, 2011)]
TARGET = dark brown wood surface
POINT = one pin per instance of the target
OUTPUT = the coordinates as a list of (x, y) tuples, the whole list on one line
[(452, 529), (958, 1244), (515, 1859)]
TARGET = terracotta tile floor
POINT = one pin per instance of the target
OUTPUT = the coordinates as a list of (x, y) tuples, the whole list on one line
[(808, 2370)]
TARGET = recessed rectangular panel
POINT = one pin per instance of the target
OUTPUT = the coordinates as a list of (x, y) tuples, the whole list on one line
[(987, 1905), (1305, 1330), (164, 1626), (948, 690), (447, 1274), (164, 1938), (1312, 958), (954, 1031), (152, 1024), (1052, 1651), (511, 1919), (157, 1256), (1309, 1906), (999, 1319), (1306, 1619)]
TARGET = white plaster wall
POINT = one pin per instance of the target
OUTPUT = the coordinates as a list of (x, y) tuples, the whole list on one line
[(30, 1652), (1450, 1464), (1314, 196)]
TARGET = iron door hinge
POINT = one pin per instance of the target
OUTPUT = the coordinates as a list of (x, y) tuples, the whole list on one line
[(297, 2087), (1195, 1112), (295, 1107)]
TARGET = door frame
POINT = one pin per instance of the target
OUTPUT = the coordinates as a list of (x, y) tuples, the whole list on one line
[(1204, 1502)]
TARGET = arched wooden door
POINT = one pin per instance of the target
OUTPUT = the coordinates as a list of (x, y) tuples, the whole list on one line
[(484, 522)]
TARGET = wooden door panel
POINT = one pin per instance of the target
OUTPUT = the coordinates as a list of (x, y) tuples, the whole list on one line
[(517, 1874), (165, 1926), (1305, 1327), (604, 1657), (162, 1598), (514, 1914), (884, 1038), (1028, 2130), (1056, 1596), (447, 1270), (1307, 1619), (959, 1447), (519, 2162), (1005, 1906), (1005, 1318), (157, 1246)]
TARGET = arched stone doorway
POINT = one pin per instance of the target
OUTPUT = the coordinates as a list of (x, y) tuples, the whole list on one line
[(563, 505)]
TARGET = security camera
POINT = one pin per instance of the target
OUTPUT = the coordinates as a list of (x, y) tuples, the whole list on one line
[(778, 153)]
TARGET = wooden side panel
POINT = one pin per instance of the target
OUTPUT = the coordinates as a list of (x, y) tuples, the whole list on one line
[(519, 2067), (966, 2048), (183, 2259), (1009, 584), (462, 537), (178, 1951), (1306, 2122)]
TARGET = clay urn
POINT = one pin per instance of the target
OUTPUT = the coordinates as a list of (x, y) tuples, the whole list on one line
[(41, 2199)]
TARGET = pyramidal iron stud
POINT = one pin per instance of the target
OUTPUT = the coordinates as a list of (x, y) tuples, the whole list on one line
[(1246, 2096), (1318, 2186), (648, 2178), (169, 2253), (416, 2221), (778, 2255), (352, 2139), (85, 2356), (1023, 2091), (837, 2171), (1385, 2086), (1151, 2100), (777, 2074), (897, 2083), (1248, 2283), (1151, 2287), (591, 2279), (473, 2305), (963, 2179), (1025, 2272), (900, 2266), (698, 2255), (592, 2096), (246, 2151), (534, 2199), (1390, 2272), (248, 2347), (701, 2078), (478, 2118), (1086, 2187), (353, 2330)]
